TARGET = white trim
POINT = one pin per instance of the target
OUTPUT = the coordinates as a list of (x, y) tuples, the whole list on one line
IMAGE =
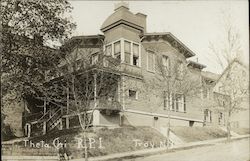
[(162, 115)]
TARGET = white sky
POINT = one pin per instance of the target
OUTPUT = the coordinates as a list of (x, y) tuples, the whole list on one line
[(195, 23)]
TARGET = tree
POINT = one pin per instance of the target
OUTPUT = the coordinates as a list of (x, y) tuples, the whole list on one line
[(27, 27), (231, 89), (175, 80), (83, 82)]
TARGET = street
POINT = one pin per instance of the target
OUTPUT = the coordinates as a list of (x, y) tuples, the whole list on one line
[(234, 151)]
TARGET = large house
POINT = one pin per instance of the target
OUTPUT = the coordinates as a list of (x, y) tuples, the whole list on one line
[(156, 83)]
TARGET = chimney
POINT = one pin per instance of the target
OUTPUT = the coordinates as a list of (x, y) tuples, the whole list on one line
[(121, 5), (143, 20)]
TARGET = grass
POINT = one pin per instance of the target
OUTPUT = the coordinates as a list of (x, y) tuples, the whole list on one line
[(115, 140), (241, 131), (191, 134)]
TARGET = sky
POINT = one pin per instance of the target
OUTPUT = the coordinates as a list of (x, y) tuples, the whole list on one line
[(195, 23)]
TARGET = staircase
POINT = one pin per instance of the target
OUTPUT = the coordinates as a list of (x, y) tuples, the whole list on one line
[(46, 123)]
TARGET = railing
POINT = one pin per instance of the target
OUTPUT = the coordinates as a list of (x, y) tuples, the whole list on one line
[(32, 117), (53, 121)]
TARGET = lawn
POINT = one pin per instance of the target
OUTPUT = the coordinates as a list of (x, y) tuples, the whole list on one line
[(113, 140), (190, 134)]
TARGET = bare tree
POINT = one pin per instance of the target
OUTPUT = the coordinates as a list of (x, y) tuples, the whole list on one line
[(85, 81), (231, 88), (176, 82)]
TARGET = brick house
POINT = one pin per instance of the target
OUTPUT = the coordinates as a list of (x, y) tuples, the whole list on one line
[(142, 88)]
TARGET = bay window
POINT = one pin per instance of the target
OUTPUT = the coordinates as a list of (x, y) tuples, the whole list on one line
[(127, 52), (117, 50)]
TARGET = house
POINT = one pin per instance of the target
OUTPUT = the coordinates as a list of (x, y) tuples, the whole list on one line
[(155, 82), (233, 87)]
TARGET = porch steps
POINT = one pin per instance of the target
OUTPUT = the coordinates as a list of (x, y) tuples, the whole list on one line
[(175, 140)]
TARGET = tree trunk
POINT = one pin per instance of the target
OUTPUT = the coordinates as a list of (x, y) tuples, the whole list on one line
[(229, 126)]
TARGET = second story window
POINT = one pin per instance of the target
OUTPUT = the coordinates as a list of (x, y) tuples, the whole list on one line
[(151, 61), (109, 50), (180, 70), (135, 54), (117, 50), (94, 59), (133, 94), (166, 64), (127, 52)]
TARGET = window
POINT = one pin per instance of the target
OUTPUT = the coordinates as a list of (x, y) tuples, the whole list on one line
[(167, 100), (127, 50), (205, 93), (133, 94), (207, 115), (220, 118), (94, 59), (151, 61), (109, 50), (180, 71), (135, 54), (177, 102), (166, 64), (117, 50)]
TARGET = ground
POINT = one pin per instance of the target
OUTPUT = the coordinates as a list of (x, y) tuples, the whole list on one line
[(234, 151)]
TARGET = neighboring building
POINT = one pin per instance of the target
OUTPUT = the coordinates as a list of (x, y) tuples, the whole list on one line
[(141, 89), (233, 84)]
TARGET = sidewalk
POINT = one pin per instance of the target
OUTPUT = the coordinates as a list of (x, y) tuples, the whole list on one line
[(147, 152)]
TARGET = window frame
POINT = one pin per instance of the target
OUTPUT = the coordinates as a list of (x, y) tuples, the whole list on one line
[(153, 60), (136, 94)]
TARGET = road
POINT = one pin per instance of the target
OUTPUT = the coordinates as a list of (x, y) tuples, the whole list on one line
[(234, 151)]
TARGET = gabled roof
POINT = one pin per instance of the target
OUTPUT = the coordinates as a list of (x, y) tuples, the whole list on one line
[(230, 65), (176, 43)]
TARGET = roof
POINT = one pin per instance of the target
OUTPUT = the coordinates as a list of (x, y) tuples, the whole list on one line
[(210, 75), (230, 65), (122, 15), (88, 41), (196, 64), (172, 40)]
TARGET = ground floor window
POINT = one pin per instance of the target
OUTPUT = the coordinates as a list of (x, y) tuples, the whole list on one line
[(174, 102), (207, 115), (133, 94)]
